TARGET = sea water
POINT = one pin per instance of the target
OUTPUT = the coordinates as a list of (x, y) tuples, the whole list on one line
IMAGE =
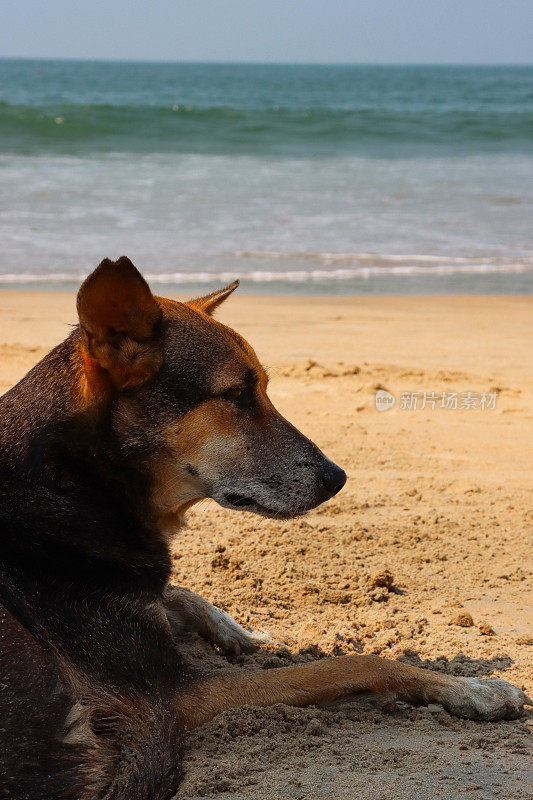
[(308, 179)]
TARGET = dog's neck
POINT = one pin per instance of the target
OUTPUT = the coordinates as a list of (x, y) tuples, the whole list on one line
[(51, 391), (61, 411), (65, 481), (78, 547)]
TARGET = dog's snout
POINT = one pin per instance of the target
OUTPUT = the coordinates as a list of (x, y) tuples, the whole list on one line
[(333, 478)]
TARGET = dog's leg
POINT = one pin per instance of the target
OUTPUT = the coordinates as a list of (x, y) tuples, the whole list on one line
[(188, 612), (331, 678)]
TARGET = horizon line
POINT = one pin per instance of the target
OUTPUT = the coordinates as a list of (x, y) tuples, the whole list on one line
[(243, 62)]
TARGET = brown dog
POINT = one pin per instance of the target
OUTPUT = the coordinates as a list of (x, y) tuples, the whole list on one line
[(147, 407)]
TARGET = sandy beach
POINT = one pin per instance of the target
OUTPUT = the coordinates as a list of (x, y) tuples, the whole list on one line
[(425, 555)]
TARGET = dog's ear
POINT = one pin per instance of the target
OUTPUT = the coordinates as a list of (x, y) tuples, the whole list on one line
[(120, 319), (210, 302)]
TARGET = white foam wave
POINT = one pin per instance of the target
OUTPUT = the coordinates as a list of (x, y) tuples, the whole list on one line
[(381, 267)]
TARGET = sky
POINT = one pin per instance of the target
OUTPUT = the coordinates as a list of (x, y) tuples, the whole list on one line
[(308, 31)]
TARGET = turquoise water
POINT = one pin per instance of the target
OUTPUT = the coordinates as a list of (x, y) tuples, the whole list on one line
[(295, 178), (278, 110)]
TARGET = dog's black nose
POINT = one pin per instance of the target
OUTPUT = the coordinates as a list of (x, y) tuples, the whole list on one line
[(333, 479)]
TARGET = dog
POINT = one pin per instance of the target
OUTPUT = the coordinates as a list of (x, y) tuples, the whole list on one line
[(147, 407)]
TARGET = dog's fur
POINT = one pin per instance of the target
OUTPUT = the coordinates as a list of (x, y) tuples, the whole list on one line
[(147, 407)]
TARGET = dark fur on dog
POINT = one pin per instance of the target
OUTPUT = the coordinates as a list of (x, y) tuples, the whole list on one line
[(148, 406), (82, 569)]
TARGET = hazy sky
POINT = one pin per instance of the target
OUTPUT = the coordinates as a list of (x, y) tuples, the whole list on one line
[(398, 31)]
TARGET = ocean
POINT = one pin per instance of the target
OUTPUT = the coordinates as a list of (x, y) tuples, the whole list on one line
[(295, 179)]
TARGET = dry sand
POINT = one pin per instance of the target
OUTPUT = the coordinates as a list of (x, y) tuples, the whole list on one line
[(439, 498)]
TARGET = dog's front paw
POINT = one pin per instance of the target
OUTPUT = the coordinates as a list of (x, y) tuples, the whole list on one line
[(187, 612), (224, 632), (485, 699)]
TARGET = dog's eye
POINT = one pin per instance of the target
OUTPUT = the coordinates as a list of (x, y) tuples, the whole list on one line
[(237, 395), (244, 396)]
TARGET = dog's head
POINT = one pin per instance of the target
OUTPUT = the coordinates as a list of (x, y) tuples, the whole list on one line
[(190, 396)]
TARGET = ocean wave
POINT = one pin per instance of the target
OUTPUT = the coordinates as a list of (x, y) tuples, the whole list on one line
[(439, 266), (92, 128)]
